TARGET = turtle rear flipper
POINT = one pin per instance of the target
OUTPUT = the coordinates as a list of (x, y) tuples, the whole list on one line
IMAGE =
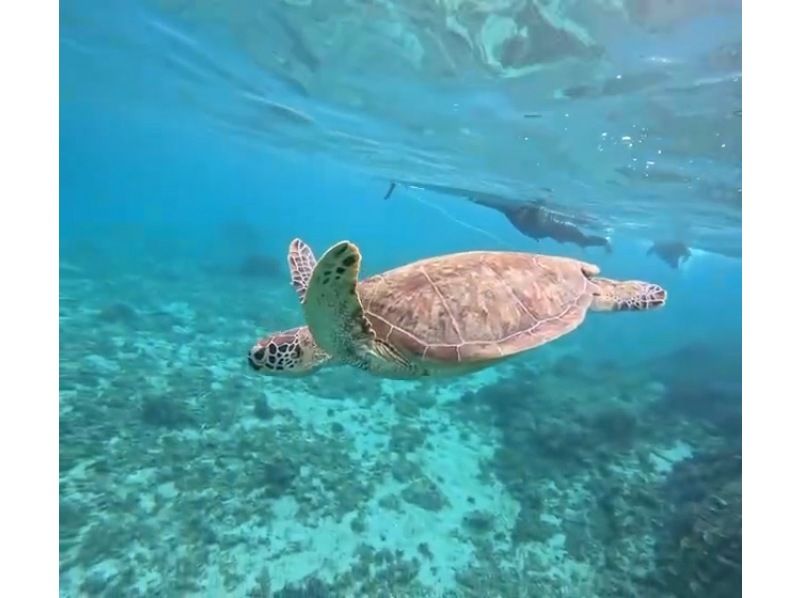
[(333, 309), (301, 265)]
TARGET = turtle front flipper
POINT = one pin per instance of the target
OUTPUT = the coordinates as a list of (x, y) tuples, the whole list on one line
[(301, 265), (333, 309)]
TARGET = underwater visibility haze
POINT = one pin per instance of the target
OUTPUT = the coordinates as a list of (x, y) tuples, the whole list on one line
[(558, 456)]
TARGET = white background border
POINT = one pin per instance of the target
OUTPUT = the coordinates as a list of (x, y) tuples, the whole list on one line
[(29, 299)]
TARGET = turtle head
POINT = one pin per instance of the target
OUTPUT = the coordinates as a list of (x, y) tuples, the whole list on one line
[(626, 295), (287, 353)]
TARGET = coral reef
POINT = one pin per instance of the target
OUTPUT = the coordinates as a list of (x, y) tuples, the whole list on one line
[(262, 266), (425, 494), (700, 549), (573, 454), (120, 313), (165, 411), (183, 473), (702, 381), (311, 588)]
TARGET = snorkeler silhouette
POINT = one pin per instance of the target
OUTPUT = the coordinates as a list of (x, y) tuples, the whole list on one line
[(673, 253), (534, 220), (531, 218)]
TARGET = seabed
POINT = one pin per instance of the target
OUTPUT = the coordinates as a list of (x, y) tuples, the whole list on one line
[(183, 473)]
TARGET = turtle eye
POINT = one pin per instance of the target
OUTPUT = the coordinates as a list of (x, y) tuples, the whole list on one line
[(259, 355)]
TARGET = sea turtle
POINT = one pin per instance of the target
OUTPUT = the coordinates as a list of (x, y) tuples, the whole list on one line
[(440, 316)]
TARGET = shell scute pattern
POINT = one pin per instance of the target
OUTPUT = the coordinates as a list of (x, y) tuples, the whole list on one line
[(476, 305)]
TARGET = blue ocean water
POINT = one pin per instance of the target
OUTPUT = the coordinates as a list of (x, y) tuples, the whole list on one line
[(197, 140)]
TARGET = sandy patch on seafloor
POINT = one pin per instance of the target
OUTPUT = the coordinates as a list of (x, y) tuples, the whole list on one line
[(449, 456)]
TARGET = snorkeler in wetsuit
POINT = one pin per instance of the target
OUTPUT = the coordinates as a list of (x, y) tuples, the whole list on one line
[(530, 218), (537, 222), (673, 253)]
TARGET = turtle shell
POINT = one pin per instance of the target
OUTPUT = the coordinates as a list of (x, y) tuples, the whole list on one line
[(477, 306)]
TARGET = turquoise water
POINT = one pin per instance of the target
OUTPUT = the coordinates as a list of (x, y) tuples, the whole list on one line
[(198, 139)]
